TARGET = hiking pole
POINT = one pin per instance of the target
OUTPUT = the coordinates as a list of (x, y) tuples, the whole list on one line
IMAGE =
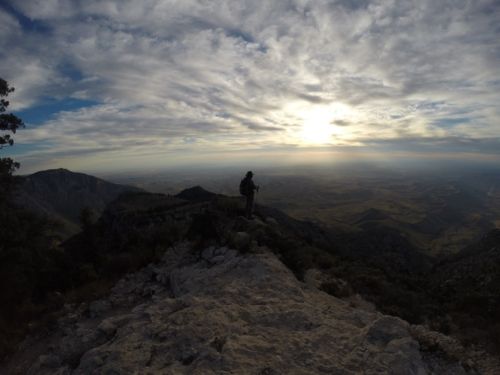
[(255, 200)]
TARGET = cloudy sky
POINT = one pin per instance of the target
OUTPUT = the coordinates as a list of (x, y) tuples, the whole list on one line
[(117, 84)]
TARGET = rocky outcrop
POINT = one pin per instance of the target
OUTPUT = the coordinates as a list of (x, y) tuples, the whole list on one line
[(222, 312), (196, 194)]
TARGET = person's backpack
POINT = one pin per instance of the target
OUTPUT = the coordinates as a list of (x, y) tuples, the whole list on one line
[(244, 187)]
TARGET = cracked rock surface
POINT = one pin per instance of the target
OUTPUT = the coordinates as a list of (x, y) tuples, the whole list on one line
[(221, 312)]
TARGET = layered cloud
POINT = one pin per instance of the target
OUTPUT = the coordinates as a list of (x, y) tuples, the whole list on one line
[(187, 79)]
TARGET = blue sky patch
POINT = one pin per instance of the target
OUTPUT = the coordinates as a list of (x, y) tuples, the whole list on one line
[(246, 37), (450, 122), (44, 112), (27, 23), (19, 148), (69, 70)]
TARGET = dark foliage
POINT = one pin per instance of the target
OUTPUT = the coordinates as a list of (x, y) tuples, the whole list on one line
[(467, 284), (8, 121), (8, 182), (123, 240), (30, 270)]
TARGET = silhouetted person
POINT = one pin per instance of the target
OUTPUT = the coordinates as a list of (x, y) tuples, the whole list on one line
[(248, 188)]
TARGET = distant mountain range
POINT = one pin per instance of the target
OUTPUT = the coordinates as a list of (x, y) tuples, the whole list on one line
[(61, 195), (439, 215)]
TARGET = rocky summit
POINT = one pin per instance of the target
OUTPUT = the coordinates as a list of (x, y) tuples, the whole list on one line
[(220, 311)]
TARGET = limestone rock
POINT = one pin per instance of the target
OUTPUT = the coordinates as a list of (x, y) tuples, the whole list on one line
[(242, 240), (224, 312), (97, 308)]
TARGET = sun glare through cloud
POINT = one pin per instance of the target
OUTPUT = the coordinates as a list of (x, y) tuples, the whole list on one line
[(319, 123), (317, 127)]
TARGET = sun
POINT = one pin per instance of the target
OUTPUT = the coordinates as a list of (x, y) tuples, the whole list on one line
[(317, 125)]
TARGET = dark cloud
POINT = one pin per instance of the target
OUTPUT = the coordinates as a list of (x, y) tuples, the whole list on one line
[(254, 126), (342, 123), (312, 98)]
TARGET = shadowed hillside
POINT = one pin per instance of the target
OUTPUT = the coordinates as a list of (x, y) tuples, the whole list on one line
[(61, 195)]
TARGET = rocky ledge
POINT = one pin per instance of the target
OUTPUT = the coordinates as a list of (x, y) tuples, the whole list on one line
[(222, 312)]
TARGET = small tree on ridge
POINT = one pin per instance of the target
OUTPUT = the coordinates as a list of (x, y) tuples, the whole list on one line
[(9, 123)]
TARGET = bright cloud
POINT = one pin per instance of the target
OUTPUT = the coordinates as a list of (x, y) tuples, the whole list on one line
[(176, 79)]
